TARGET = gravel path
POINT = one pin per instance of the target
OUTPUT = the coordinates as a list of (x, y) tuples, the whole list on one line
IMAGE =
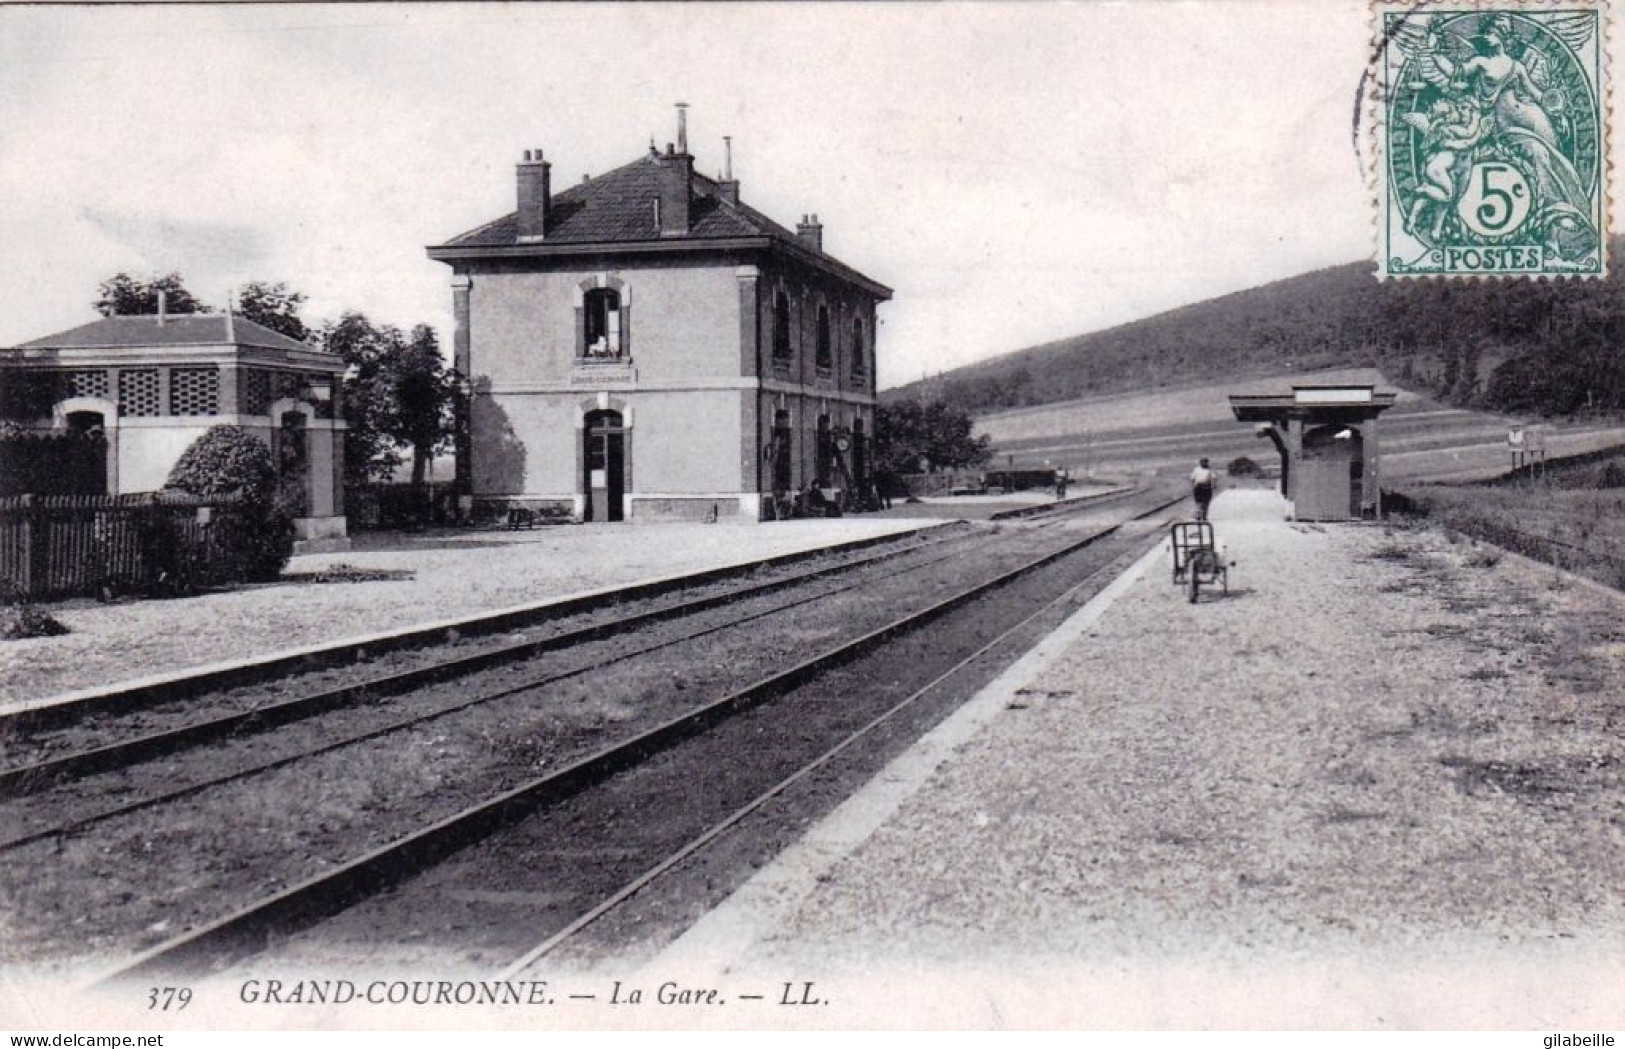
[(1378, 786), (453, 574)]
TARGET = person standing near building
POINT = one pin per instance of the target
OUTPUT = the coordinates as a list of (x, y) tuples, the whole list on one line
[(1203, 481)]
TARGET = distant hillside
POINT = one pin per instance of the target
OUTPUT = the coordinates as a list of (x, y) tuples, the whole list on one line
[(1125, 434), (1553, 347)]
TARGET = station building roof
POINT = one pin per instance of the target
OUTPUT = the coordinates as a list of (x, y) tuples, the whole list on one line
[(612, 211), (1317, 401)]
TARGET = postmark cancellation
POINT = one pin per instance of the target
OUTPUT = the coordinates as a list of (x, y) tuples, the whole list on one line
[(1492, 127)]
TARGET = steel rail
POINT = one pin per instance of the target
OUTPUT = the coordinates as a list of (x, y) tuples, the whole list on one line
[(1082, 502), (125, 808), (27, 779), (716, 830), (144, 694), (21, 780), (246, 931)]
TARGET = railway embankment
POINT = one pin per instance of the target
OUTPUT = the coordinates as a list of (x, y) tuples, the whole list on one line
[(1379, 784)]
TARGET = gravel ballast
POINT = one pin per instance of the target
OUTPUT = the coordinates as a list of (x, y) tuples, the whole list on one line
[(1380, 785)]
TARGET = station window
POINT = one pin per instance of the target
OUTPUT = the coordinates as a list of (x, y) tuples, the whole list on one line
[(859, 357), (825, 357), (602, 323), (781, 325)]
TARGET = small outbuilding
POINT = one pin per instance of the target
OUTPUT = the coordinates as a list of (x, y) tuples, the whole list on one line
[(150, 385), (1327, 438)]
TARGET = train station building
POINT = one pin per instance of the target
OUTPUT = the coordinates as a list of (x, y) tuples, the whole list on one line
[(644, 344)]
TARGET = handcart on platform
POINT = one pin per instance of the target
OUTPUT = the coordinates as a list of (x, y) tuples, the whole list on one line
[(1199, 557)]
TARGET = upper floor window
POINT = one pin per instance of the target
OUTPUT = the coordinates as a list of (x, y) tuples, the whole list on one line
[(781, 325), (859, 358), (602, 323), (824, 357)]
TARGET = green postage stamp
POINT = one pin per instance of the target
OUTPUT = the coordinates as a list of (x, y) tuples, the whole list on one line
[(1493, 136)]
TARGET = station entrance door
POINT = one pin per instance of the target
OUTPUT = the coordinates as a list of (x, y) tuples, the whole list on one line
[(604, 466)]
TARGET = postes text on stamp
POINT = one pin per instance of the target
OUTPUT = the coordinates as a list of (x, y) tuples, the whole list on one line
[(1494, 139)]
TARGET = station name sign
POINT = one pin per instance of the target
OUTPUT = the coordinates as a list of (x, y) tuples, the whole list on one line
[(1332, 394)]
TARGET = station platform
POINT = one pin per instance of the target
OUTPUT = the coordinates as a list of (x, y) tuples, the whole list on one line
[(1290, 807)]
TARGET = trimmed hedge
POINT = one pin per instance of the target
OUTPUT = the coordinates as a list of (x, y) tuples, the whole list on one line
[(54, 462), (230, 461)]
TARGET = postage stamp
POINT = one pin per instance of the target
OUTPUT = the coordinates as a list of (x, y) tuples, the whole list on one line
[(1493, 139)]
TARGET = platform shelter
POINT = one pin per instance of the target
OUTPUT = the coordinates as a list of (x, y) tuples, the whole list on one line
[(1327, 438)]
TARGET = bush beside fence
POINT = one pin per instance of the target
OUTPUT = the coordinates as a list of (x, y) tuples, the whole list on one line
[(53, 462), (81, 545)]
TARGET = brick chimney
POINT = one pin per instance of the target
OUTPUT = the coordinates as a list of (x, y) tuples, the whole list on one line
[(535, 195), (676, 185), (811, 233)]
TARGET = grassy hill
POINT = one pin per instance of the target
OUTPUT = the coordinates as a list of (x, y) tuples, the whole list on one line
[(1548, 347), (1167, 430)]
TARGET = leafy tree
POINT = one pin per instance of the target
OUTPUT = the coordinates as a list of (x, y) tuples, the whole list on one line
[(274, 305), (122, 295), (420, 414), (908, 431), (397, 392), (369, 453)]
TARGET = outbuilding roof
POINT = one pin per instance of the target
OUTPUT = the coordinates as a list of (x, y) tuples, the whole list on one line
[(183, 329)]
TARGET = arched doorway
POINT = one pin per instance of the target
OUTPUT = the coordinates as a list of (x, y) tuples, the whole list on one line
[(782, 438), (84, 466), (860, 455), (293, 463), (603, 466), (88, 460), (823, 454), (1330, 474)]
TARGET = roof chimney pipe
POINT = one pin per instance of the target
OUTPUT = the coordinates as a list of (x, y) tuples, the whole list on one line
[(682, 127), (728, 187)]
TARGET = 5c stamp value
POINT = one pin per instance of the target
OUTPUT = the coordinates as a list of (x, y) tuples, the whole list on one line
[(1494, 139)]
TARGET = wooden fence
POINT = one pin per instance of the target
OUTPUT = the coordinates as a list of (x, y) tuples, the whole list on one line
[(399, 505), (75, 545)]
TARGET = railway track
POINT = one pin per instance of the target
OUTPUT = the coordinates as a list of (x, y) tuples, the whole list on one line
[(168, 786), (203, 720), (33, 776), (742, 717)]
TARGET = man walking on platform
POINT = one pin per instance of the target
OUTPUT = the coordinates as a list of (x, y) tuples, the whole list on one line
[(1203, 481)]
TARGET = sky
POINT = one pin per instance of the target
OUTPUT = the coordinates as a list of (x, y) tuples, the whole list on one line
[(1016, 172)]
